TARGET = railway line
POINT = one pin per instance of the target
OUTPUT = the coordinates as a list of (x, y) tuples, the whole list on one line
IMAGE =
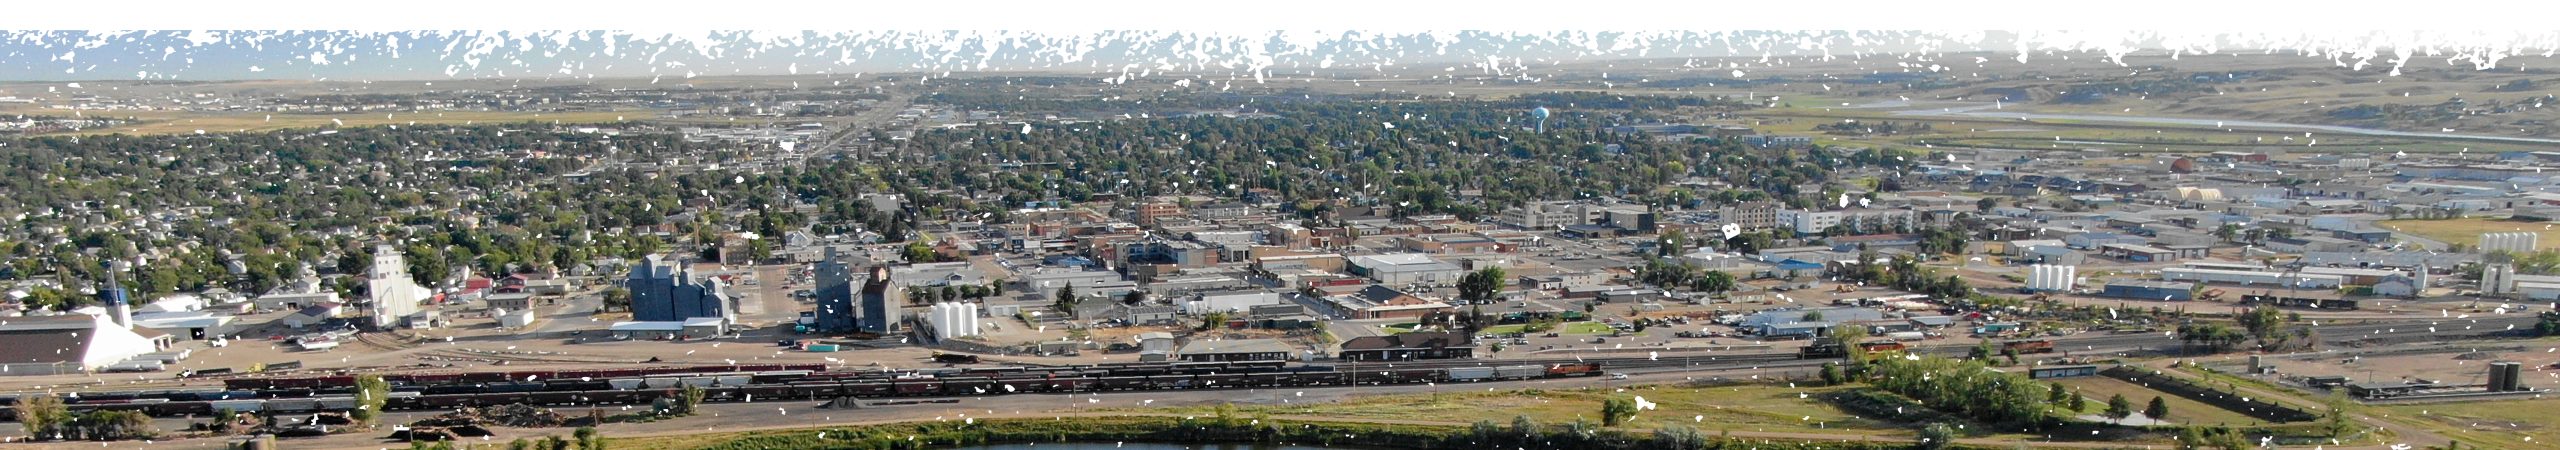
[(738, 383)]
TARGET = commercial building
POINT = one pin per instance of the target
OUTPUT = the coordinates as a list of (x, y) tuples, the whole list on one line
[(1229, 301), (1405, 269), (1751, 215), (1810, 222)]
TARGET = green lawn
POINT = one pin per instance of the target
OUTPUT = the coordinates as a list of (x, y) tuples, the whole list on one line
[(2181, 410), (2498, 424), (1754, 407)]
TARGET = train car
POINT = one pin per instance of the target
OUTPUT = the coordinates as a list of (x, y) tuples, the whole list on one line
[(242, 405), (1195, 368), (1267, 379), (1465, 374), (1320, 378), (1169, 382), (621, 397), (1421, 375), (1022, 384), (191, 408), (1258, 366), (1823, 350), (337, 403), (771, 392), (954, 358), (1574, 370), (293, 405), (1122, 383), (1222, 381), (967, 385), (917, 387), (554, 398), (247, 384), (1521, 372), (1881, 346), (2027, 347), (870, 389), (779, 376), (1073, 385)]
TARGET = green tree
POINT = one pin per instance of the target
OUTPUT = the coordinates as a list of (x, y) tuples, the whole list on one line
[(1831, 375), (2158, 410), (1066, 300), (1524, 429), (1616, 410), (2055, 394), (2265, 324), (1714, 281), (371, 394), (1481, 286), (2079, 402), (43, 416), (589, 439), (2547, 324), (1937, 436), (2118, 407), (427, 264), (520, 444), (554, 442), (2335, 420), (617, 298), (688, 399)]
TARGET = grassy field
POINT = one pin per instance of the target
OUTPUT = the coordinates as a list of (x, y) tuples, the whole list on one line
[(2181, 410), (173, 122), (2499, 424), (1741, 408), (2467, 231)]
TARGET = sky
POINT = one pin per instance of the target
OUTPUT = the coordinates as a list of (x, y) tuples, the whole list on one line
[(309, 40)]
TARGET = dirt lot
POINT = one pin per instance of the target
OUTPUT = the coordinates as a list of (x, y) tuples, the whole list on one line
[(2458, 365)]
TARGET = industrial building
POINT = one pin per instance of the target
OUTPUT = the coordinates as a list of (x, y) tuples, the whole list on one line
[(2151, 290), (665, 291), (1235, 350), (71, 343), (392, 295), (834, 293), (2253, 278), (2052, 278)]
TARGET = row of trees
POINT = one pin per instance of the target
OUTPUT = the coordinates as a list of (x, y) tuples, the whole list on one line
[(1966, 388), (45, 418)]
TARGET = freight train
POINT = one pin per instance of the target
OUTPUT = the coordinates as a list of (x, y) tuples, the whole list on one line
[(430, 392)]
